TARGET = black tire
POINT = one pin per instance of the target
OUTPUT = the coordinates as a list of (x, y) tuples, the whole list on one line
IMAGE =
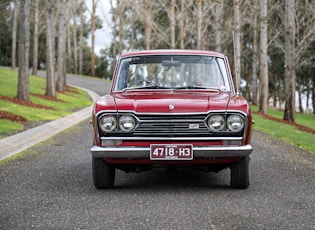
[(103, 173), (240, 173)]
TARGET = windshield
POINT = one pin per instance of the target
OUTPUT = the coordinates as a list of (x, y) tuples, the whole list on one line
[(172, 72)]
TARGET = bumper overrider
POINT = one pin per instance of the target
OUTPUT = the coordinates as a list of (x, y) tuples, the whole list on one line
[(144, 152)]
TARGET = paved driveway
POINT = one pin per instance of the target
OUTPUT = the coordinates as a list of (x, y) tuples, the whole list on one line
[(50, 186)]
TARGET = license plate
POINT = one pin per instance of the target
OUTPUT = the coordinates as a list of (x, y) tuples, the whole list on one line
[(171, 152)]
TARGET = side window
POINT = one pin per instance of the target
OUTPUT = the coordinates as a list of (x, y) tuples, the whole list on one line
[(122, 75), (222, 69)]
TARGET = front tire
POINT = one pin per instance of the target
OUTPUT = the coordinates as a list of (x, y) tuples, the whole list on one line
[(103, 173), (240, 173)]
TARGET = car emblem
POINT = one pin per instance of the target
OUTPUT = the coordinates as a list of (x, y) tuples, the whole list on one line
[(171, 107)]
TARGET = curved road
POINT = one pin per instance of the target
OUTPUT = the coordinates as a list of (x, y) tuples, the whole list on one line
[(49, 186)]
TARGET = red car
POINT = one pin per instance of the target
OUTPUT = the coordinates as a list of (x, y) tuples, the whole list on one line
[(171, 109)]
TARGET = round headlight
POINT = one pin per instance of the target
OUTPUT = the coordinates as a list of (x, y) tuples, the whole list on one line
[(127, 123), (235, 122), (107, 123), (216, 122)]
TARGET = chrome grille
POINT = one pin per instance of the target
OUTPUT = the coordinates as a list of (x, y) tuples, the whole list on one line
[(171, 125)]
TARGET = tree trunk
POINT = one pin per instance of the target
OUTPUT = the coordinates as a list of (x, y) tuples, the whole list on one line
[(308, 93), (114, 32), (35, 47), (181, 24), (61, 77), (199, 23), (69, 53), (289, 110), (313, 89), (14, 31), (218, 24), (173, 24), (94, 3), (263, 57), (255, 54), (24, 47), (147, 25), (50, 49), (121, 26), (81, 42), (299, 88), (247, 78), (275, 92), (237, 45), (75, 42)]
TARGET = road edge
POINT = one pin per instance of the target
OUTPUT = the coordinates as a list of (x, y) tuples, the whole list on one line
[(19, 142)]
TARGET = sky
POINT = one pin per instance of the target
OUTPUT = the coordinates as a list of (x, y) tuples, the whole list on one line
[(103, 37)]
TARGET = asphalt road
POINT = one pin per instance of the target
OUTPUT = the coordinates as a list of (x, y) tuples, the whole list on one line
[(49, 186)]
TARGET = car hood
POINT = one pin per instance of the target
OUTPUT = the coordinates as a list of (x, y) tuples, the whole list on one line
[(171, 102)]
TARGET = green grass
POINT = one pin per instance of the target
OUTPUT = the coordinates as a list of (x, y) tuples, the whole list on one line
[(302, 119), (9, 126), (70, 101), (285, 132), (80, 99)]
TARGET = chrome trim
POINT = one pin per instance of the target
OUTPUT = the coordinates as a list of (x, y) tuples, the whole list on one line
[(166, 113), (105, 112), (144, 152), (142, 119), (166, 121), (172, 138)]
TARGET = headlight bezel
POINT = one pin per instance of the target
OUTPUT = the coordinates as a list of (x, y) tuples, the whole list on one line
[(213, 121), (125, 119), (111, 119), (237, 119), (116, 121), (227, 120)]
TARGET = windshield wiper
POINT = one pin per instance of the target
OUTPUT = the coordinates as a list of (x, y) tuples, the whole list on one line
[(199, 87), (144, 87)]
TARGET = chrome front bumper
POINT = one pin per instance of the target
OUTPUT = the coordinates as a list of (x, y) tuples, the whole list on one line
[(144, 152)]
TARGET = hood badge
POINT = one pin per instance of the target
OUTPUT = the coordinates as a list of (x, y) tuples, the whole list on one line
[(171, 107)]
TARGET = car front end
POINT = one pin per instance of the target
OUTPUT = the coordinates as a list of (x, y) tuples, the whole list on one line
[(166, 116)]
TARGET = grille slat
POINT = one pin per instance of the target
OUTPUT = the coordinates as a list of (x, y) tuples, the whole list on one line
[(176, 125)]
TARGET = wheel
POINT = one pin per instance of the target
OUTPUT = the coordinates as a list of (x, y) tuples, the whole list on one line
[(103, 173), (240, 173)]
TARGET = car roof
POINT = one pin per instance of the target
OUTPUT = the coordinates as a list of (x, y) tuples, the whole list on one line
[(172, 52)]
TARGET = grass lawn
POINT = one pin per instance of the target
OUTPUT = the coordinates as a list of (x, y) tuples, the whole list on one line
[(287, 132), (73, 99)]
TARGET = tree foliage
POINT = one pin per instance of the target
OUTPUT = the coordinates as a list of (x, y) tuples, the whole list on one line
[(209, 25), (183, 24)]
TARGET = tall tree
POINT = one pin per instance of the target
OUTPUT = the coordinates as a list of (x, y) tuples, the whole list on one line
[(75, 38), (218, 24), (237, 44), (145, 11), (61, 58), (14, 29), (263, 57), (94, 5), (182, 24), (172, 24), (313, 91), (255, 52), (120, 7), (24, 47), (35, 38), (199, 23), (50, 49), (289, 110), (81, 42), (147, 22)]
